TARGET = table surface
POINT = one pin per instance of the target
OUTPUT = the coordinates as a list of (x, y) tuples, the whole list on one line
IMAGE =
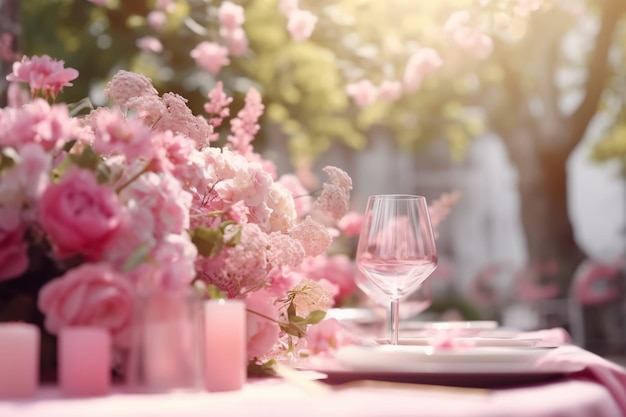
[(276, 398)]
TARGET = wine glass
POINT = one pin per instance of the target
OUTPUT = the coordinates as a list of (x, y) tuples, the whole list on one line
[(396, 248)]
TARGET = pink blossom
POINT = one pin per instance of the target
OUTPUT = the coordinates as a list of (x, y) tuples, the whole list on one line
[(313, 236), (163, 197), (310, 295), (336, 269), (24, 183), (363, 93), (423, 63), (178, 118), (157, 20), (245, 126), (126, 85), (210, 56), (237, 41), (439, 209), (335, 197), (90, 294), (37, 122), (350, 224), (230, 15), (16, 96), (217, 108), (286, 7), (116, 135), (150, 44), (327, 336), (284, 250), (300, 24), (13, 252), (43, 74), (261, 321), (171, 266), (389, 91), (79, 216)]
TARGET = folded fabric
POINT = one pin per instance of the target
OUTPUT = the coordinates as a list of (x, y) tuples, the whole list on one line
[(596, 368), (556, 336)]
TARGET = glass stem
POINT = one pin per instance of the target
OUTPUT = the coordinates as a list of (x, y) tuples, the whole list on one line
[(394, 321)]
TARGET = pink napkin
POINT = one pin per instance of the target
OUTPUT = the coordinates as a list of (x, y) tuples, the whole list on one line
[(595, 368), (549, 337)]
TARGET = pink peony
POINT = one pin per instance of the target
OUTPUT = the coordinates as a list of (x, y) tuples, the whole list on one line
[(42, 74), (263, 329), (13, 252), (80, 216), (91, 294), (210, 56)]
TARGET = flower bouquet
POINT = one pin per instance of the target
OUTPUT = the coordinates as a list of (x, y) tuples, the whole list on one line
[(97, 207)]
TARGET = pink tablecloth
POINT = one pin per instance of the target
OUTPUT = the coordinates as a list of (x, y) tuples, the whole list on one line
[(276, 398), (598, 390)]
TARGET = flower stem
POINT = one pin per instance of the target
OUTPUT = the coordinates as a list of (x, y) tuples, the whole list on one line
[(134, 177)]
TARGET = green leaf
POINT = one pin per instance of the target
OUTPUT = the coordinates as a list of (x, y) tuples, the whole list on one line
[(139, 255), (215, 293), (236, 237), (291, 310), (315, 317), (69, 145), (256, 368), (208, 241), (88, 159), (8, 159)]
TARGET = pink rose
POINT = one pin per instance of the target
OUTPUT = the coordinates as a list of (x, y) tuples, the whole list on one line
[(13, 252), (80, 216), (93, 295), (262, 331)]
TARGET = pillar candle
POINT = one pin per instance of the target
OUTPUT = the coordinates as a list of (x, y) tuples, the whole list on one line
[(19, 359), (225, 345), (84, 356)]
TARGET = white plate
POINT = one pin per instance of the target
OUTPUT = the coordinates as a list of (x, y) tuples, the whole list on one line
[(476, 367), (456, 360), (467, 341), (470, 325)]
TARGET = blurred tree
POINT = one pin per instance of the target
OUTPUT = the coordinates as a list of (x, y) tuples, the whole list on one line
[(516, 92)]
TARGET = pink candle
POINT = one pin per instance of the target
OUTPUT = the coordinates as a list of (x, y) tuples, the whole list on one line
[(84, 355), (225, 345), (19, 359)]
